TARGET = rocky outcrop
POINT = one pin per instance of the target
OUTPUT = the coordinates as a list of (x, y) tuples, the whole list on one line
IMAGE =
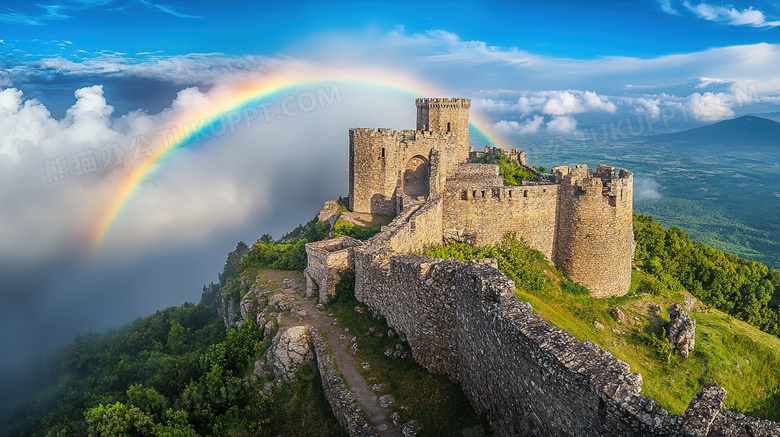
[(227, 308), (329, 213), (682, 330), (289, 351)]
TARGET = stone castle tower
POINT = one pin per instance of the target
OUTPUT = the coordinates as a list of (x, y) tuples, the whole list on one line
[(580, 219), (387, 166)]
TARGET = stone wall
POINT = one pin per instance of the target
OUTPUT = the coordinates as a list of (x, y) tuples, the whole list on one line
[(483, 214), (444, 115), (470, 175), (421, 229), (582, 222), (344, 405), (532, 379), (378, 158)]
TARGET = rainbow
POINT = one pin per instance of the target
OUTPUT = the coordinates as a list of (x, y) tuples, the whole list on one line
[(236, 98)]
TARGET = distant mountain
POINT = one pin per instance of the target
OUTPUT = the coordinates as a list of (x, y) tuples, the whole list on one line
[(770, 115), (747, 131)]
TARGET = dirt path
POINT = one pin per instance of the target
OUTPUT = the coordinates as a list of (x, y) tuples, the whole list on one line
[(347, 364)]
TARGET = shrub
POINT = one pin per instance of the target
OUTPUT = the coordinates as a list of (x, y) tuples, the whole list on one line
[(345, 289), (511, 170), (570, 287), (517, 261), (651, 286)]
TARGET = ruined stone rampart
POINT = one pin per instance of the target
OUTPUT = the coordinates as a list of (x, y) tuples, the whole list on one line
[(343, 403), (380, 158), (532, 379), (463, 319)]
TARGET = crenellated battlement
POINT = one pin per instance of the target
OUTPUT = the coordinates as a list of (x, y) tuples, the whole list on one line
[(443, 102), (386, 132)]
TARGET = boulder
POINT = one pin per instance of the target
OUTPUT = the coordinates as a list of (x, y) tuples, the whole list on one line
[(682, 330), (619, 315), (228, 309), (689, 301), (410, 428), (282, 302), (289, 351), (247, 305), (261, 369), (385, 401), (269, 329)]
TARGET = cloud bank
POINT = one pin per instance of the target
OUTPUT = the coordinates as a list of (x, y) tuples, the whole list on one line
[(646, 189)]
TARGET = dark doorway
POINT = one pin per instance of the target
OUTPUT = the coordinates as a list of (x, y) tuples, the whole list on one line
[(416, 177)]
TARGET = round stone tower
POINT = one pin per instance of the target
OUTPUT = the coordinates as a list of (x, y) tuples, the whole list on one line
[(595, 235)]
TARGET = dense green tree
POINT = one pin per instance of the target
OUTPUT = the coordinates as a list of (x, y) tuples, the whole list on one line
[(745, 289)]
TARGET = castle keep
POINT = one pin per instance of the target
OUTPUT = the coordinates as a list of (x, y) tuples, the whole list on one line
[(580, 219), (463, 319)]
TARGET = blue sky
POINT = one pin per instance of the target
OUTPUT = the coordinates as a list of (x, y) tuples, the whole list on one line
[(572, 29), (619, 49), (92, 77)]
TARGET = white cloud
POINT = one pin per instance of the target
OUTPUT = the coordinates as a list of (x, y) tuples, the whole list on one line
[(451, 62), (45, 217), (666, 6), (646, 189), (646, 105), (731, 15), (49, 13), (711, 106), (199, 68), (529, 126), (598, 103), (706, 81), (563, 103), (562, 125), (533, 103), (492, 105)]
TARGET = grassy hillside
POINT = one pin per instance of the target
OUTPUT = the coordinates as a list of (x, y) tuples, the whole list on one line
[(728, 352)]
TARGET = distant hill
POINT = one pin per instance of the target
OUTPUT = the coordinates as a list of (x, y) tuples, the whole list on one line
[(770, 115), (746, 131)]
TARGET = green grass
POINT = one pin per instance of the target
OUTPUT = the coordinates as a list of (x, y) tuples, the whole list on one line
[(301, 409), (344, 228), (436, 402), (722, 343)]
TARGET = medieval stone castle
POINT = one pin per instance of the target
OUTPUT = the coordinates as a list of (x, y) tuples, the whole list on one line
[(580, 219), (463, 319)]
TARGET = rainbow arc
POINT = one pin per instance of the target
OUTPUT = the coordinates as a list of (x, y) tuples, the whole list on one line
[(249, 95)]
